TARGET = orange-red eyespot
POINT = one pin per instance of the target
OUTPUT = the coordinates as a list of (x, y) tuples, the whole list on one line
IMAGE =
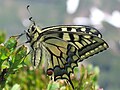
[(49, 71)]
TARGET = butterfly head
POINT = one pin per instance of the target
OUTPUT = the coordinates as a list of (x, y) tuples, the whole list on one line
[(33, 31), (33, 27)]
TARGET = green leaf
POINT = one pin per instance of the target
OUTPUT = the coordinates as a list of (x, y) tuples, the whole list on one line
[(11, 43), (82, 70), (53, 86), (4, 53), (2, 37), (16, 87), (5, 64), (97, 70), (18, 57)]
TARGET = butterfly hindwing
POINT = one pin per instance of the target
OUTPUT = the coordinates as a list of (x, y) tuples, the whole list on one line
[(63, 58)]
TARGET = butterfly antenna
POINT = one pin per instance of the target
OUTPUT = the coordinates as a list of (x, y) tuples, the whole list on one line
[(31, 18)]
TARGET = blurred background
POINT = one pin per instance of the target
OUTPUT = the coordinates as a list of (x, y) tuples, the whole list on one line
[(101, 14)]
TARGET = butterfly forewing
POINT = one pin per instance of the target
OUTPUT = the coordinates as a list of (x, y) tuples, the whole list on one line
[(74, 28)]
